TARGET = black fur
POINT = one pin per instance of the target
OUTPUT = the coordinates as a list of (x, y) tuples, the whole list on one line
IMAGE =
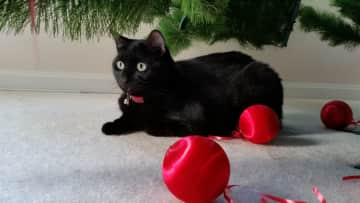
[(203, 96)]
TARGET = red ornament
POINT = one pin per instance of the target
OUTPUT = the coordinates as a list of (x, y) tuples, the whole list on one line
[(196, 169), (336, 115), (259, 124), (32, 14)]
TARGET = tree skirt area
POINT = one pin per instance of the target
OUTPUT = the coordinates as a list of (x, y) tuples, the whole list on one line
[(52, 150)]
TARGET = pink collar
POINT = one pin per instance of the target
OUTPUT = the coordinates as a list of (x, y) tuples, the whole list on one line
[(137, 99)]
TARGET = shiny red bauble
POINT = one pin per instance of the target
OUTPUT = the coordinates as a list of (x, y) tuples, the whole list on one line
[(259, 124), (196, 169), (336, 114)]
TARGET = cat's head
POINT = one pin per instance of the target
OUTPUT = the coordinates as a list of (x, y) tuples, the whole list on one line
[(142, 65)]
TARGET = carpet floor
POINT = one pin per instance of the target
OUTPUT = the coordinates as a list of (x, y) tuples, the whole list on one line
[(52, 150)]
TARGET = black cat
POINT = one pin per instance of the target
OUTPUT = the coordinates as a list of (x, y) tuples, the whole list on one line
[(203, 96)]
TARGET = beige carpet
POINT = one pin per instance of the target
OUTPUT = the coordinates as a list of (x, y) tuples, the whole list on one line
[(52, 150)]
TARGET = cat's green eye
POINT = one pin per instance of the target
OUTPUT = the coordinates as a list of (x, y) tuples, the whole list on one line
[(141, 67), (120, 65)]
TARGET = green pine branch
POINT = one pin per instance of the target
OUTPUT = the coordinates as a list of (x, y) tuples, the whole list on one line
[(349, 9), (202, 11), (331, 28), (81, 19)]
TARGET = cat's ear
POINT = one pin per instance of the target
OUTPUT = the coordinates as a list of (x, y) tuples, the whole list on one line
[(156, 40), (120, 41)]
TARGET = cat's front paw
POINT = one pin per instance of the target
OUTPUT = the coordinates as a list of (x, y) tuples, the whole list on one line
[(109, 128)]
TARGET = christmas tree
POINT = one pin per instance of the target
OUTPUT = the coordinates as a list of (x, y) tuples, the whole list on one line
[(250, 22)]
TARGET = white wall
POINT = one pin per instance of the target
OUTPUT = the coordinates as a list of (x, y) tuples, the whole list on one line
[(42, 62)]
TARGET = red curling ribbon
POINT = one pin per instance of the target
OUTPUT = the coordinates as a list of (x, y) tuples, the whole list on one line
[(263, 200), (316, 192), (236, 134), (227, 195), (351, 177), (215, 137), (278, 199), (318, 195), (355, 122), (265, 196)]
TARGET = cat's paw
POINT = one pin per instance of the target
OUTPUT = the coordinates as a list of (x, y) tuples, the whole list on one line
[(109, 128)]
